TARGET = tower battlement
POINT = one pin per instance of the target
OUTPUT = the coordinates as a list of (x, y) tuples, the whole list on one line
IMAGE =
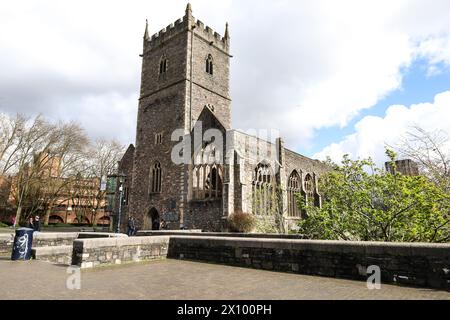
[(187, 23)]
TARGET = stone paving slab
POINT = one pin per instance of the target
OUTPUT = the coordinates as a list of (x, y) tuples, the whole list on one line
[(173, 279)]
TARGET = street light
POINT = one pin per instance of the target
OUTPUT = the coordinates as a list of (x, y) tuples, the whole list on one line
[(121, 178)]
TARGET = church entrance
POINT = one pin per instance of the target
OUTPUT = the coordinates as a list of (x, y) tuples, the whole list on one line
[(154, 219)]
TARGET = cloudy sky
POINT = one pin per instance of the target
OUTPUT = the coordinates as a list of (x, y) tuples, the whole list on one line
[(333, 77)]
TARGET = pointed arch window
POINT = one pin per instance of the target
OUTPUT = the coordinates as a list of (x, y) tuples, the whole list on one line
[(207, 174), (209, 65), (264, 200), (293, 190), (309, 189), (156, 178)]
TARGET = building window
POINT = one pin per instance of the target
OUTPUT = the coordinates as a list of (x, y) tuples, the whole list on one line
[(158, 138), (163, 65), (263, 195), (155, 178), (309, 190), (293, 190), (207, 175), (209, 65)]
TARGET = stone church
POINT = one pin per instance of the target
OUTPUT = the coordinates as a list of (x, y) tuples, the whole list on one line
[(185, 95)]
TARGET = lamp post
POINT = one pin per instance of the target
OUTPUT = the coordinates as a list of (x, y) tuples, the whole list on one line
[(121, 179)]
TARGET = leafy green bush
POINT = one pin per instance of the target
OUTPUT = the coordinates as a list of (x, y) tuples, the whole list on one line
[(364, 203), (2, 225), (241, 222)]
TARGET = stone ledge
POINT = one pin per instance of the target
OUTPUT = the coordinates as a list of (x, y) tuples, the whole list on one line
[(118, 242), (46, 251), (54, 235)]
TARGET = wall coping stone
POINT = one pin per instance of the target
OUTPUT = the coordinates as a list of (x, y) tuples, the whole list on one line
[(45, 251), (325, 245), (54, 235), (6, 236), (119, 242)]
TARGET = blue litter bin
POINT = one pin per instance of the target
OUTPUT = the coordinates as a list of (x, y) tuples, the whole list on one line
[(23, 242)]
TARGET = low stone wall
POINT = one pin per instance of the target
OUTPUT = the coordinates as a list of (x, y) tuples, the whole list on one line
[(90, 253), (96, 235), (199, 233), (43, 239), (426, 265), (6, 243), (58, 255)]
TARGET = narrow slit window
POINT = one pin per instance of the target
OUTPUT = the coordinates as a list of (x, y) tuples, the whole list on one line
[(209, 65)]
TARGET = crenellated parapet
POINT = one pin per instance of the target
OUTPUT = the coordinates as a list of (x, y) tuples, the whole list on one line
[(214, 38), (187, 23), (165, 34)]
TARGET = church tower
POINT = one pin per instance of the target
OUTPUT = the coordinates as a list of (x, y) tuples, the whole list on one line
[(185, 70)]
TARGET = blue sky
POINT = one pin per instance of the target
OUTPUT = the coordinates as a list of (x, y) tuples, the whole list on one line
[(417, 87)]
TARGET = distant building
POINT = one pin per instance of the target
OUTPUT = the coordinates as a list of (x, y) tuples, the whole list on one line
[(69, 200), (406, 167)]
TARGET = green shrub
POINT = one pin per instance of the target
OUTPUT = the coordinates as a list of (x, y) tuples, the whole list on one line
[(241, 222)]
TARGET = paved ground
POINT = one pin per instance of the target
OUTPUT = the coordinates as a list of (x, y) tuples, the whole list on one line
[(171, 279)]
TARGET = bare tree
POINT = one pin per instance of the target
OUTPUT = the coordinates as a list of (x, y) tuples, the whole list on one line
[(431, 151), (103, 156), (23, 159), (67, 157), (11, 133)]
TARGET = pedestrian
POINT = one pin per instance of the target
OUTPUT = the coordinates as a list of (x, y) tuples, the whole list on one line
[(163, 224), (37, 224), (13, 220), (31, 223), (156, 224), (131, 227), (134, 230)]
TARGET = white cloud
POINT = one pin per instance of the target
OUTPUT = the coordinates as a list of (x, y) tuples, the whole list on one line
[(298, 66), (374, 133)]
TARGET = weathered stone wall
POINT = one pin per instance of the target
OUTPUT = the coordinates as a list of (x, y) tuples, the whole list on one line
[(90, 253), (199, 233), (205, 215), (295, 161), (53, 239), (57, 255), (6, 243), (424, 265)]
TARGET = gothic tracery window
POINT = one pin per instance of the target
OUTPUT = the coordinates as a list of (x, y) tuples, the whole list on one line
[(209, 65), (207, 175), (156, 178), (294, 189), (309, 189), (263, 193)]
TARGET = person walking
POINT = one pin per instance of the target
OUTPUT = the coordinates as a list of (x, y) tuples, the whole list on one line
[(31, 223), (131, 227), (37, 224)]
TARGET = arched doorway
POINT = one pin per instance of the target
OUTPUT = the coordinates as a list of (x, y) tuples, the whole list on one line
[(153, 217)]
